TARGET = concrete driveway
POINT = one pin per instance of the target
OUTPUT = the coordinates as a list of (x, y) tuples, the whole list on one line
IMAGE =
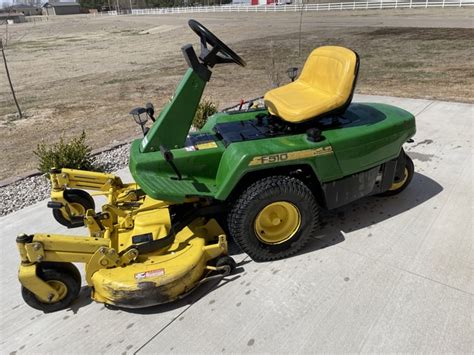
[(386, 275)]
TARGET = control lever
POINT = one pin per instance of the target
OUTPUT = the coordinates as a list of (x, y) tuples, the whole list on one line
[(166, 153)]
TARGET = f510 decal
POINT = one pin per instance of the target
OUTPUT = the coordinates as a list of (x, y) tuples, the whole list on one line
[(300, 154)]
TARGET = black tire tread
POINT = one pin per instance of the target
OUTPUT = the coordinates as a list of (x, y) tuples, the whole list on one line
[(411, 171), (65, 267), (261, 189), (226, 260), (77, 196), (73, 289)]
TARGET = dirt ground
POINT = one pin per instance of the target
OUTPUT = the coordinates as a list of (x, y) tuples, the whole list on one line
[(86, 73)]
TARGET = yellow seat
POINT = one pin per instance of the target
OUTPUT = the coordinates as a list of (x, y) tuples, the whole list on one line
[(326, 84)]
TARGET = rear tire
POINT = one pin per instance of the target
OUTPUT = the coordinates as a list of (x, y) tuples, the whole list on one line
[(81, 200), (274, 218), (401, 183)]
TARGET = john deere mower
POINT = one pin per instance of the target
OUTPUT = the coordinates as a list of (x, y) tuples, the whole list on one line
[(259, 176)]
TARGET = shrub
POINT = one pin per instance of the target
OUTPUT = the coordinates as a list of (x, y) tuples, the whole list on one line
[(75, 154), (206, 108)]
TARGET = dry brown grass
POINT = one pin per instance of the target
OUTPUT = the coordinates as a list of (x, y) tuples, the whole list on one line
[(435, 63), (87, 73)]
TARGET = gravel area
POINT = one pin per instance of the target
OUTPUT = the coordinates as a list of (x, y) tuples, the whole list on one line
[(33, 189), (25, 192)]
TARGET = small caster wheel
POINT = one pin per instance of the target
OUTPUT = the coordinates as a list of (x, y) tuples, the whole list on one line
[(63, 279), (227, 264), (68, 268), (79, 202)]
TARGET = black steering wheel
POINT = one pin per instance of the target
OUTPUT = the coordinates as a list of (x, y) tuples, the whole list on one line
[(227, 55)]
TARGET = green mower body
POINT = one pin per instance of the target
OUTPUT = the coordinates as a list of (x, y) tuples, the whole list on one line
[(347, 159), (266, 174), (233, 147)]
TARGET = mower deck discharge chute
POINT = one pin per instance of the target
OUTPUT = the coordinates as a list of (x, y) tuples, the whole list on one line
[(260, 174)]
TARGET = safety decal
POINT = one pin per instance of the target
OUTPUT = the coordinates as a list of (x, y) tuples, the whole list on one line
[(300, 154), (148, 274), (144, 142), (206, 145)]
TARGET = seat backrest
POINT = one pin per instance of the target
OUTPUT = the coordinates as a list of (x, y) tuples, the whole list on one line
[(331, 69)]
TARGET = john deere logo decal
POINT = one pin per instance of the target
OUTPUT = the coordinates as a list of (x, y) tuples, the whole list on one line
[(300, 154)]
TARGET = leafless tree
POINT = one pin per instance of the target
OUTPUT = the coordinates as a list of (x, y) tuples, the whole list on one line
[(9, 79), (6, 36), (303, 8), (272, 68)]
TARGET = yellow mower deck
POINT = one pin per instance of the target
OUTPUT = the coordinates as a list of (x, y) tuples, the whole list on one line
[(117, 269), (157, 279)]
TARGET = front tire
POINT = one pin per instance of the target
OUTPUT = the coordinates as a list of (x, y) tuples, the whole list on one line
[(274, 218)]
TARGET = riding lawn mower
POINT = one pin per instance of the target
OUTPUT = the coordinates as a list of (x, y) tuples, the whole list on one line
[(259, 176)]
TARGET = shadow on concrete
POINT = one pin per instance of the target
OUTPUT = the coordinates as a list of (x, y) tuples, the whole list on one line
[(360, 214), (201, 291), (328, 239), (371, 210), (366, 212), (82, 300)]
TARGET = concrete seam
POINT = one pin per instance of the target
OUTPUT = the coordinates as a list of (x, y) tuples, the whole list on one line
[(425, 108), (162, 329), (405, 270), (366, 338), (174, 319), (430, 279)]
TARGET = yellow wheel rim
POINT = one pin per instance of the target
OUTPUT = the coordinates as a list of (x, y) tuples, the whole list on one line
[(75, 208), (397, 185), (277, 222), (59, 287)]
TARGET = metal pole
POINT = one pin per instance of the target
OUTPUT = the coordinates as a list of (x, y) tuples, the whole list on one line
[(9, 79)]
